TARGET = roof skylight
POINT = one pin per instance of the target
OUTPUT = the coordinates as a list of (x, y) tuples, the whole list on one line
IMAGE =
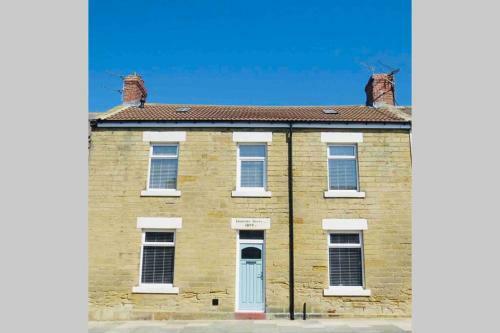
[(329, 111)]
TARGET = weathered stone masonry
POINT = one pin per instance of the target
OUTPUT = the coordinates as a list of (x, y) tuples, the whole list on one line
[(205, 247), (385, 177)]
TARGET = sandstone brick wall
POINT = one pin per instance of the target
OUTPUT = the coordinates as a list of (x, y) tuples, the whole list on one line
[(385, 177), (205, 254), (205, 262)]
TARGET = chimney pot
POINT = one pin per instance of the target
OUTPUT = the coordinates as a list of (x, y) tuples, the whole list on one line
[(134, 91), (380, 90)]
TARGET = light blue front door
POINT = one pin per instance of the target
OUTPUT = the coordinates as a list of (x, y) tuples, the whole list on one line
[(251, 297)]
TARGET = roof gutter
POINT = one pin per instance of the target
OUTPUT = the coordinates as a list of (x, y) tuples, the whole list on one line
[(246, 124)]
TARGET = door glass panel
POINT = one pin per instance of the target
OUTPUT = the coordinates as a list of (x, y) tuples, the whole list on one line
[(251, 253)]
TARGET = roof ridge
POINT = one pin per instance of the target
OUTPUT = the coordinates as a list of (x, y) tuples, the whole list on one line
[(267, 106)]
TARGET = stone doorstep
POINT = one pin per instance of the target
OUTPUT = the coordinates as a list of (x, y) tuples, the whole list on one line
[(249, 315)]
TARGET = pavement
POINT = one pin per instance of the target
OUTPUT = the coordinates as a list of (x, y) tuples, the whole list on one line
[(254, 326)]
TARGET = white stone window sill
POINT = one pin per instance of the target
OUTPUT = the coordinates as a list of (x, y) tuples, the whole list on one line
[(155, 289), (347, 291), (344, 194), (160, 193), (251, 193)]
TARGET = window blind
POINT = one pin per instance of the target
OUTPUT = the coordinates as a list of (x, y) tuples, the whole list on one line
[(252, 173), (163, 174), (345, 259), (343, 174), (158, 264), (345, 267)]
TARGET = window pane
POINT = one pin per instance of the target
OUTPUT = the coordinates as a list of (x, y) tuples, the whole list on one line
[(159, 236), (344, 238), (163, 174), (345, 267), (165, 150), (252, 174), (251, 253), (343, 174), (342, 150), (251, 234), (157, 264), (252, 150)]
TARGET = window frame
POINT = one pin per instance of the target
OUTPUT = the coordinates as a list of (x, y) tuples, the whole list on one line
[(165, 244), (342, 157), (151, 156), (240, 159), (346, 245)]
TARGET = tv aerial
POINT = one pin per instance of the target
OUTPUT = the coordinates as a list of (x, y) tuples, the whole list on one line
[(114, 74), (371, 68), (391, 70)]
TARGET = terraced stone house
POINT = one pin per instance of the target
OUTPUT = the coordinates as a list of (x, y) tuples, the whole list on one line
[(234, 211)]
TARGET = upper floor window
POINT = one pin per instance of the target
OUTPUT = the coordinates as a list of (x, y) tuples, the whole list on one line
[(342, 167), (163, 167), (251, 166)]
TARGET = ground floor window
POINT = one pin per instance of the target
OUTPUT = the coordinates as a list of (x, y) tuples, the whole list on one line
[(345, 251), (157, 259)]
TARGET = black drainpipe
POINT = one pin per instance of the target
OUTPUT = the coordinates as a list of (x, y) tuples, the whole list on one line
[(290, 223)]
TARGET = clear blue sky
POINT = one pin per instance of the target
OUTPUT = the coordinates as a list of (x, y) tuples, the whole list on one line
[(247, 52)]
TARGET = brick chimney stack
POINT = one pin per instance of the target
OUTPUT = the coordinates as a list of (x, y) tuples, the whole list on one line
[(134, 91), (380, 90)]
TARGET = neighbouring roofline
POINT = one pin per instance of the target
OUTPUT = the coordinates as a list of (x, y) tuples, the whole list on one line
[(112, 111)]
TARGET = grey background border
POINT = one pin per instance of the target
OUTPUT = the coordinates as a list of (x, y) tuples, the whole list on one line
[(44, 170), (456, 166), (44, 108)]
